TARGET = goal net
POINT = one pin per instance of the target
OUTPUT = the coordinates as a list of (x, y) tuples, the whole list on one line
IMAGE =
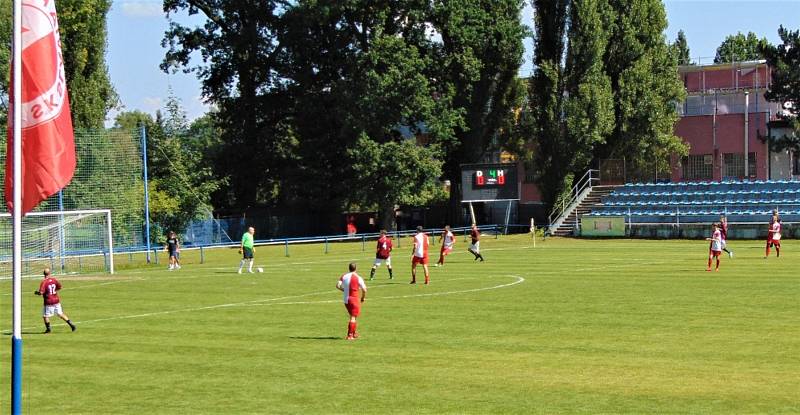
[(77, 241)]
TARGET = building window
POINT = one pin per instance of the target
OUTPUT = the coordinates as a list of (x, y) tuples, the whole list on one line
[(734, 165), (698, 167)]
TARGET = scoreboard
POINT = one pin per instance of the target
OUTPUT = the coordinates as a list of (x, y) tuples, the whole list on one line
[(489, 182)]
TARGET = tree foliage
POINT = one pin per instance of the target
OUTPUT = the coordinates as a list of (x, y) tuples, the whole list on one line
[(319, 77), (784, 60), (741, 47), (82, 26), (605, 86), (180, 180), (681, 49)]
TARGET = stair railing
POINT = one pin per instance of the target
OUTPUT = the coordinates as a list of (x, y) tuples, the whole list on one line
[(589, 178)]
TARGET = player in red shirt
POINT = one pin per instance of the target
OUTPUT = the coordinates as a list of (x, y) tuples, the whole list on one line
[(349, 284), (475, 248), (383, 252), (420, 255), (774, 236), (448, 242), (48, 289)]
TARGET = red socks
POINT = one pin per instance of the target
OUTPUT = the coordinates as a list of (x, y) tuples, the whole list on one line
[(351, 329)]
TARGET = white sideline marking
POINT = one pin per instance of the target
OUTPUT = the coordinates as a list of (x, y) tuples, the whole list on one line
[(271, 301)]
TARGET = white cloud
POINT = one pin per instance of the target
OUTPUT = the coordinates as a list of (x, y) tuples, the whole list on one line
[(151, 104), (142, 8)]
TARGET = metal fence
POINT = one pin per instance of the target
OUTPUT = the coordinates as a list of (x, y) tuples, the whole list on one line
[(109, 175)]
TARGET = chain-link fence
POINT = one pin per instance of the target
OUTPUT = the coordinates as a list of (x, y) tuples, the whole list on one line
[(108, 176)]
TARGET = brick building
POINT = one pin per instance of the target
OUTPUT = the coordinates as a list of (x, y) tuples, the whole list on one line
[(727, 122)]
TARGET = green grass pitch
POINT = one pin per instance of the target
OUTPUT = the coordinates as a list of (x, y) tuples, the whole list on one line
[(571, 326)]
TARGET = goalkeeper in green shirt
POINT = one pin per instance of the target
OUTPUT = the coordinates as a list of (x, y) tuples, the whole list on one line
[(247, 249)]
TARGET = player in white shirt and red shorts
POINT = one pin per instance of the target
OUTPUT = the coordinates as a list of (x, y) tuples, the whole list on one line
[(349, 284), (420, 255), (448, 242), (774, 236), (716, 247)]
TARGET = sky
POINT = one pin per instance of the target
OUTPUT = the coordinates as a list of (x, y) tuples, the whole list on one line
[(136, 28)]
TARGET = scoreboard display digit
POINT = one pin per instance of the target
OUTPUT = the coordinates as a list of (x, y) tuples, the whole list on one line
[(489, 182)]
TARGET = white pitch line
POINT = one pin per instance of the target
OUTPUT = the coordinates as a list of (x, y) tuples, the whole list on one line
[(271, 301)]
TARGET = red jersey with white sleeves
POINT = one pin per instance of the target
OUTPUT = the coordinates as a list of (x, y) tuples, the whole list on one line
[(448, 240), (421, 245), (384, 249), (350, 284), (49, 289)]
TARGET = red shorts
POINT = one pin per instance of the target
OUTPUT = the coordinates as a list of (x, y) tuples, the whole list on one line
[(772, 242), (353, 307), (714, 253), (444, 251), (417, 260)]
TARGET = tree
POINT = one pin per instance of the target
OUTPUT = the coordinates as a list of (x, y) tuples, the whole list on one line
[(740, 47), (681, 49), (5, 61), (646, 87), (322, 76), (239, 72), (604, 86), (395, 173), (180, 181), (476, 64), (82, 26), (784, 60)]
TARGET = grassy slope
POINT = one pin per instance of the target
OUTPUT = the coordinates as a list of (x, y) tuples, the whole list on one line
[(597, 326)]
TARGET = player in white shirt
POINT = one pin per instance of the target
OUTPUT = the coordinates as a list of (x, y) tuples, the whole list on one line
[(350, 284), (774, 236), (420, 255), (448, 242), (716, 247)]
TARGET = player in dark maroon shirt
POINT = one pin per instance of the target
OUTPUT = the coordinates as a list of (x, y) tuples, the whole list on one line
[(383, 252), (48, 289), (475, 248), (723, 223)]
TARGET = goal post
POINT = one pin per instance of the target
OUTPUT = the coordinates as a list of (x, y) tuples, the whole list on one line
[(70, 241)]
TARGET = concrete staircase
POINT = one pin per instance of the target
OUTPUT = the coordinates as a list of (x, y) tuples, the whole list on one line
[(566, 224)]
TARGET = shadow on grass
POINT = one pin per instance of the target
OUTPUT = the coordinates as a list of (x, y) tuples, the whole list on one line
[(314, 338)]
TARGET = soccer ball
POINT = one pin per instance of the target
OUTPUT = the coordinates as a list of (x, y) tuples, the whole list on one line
[(259, 269)]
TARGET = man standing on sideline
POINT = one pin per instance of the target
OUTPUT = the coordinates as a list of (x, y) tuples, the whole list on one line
[(247, 249), (349, 284), (174, 247), (52, 304), (420, 255), (383, 253), (448, 241), (475, 248)]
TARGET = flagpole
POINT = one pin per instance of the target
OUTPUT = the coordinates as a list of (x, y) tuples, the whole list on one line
[(16, 337)]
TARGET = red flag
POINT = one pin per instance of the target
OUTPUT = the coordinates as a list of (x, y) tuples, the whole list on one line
[(48, 143)]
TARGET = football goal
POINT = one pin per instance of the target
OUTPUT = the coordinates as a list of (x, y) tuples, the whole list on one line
[(67, 242)]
